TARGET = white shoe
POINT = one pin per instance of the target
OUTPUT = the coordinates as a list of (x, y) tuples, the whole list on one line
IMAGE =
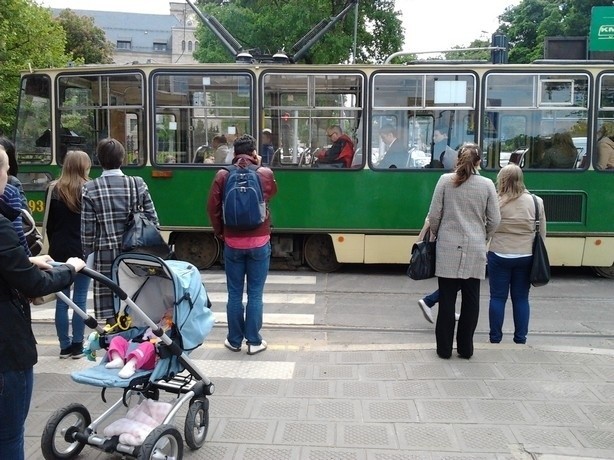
[(128, 370), (426, 311), (457, 316), (116, 363), (253, 349), (230, 347)]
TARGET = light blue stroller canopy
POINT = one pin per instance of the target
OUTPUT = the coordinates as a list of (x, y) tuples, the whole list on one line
[(152, 287)]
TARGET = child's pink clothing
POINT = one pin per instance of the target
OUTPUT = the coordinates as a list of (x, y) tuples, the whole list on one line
[(144, 353)]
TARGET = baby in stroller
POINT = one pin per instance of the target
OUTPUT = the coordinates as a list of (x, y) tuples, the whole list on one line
[(123, 354)]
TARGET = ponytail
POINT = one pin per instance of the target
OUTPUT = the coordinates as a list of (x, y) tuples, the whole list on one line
[(469, 157)]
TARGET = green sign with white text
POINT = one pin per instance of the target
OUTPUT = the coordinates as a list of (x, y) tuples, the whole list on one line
[(602, 29)]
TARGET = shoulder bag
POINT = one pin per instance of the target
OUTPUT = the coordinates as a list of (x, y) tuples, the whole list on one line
[(540, 268), (141, 234), (422, 262)]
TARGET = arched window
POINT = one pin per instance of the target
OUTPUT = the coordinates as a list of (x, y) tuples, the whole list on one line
[(195, 46), (182, 45), (190, 45)]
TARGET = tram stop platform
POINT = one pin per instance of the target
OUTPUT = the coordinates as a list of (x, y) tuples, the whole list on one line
[(378, 402)]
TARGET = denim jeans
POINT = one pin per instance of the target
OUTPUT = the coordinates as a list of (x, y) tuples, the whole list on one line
[(432, 299), (509, 276), (245, 322), (15, 396), (79, 297)]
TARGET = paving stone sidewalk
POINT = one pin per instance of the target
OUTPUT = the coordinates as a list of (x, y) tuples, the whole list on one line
[(380, 403)]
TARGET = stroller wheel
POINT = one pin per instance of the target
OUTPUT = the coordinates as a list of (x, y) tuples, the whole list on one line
[(197, 423), (164, 442), (57, 441)]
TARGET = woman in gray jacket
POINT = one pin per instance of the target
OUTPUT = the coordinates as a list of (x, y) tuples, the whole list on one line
[(510, 253), (464, 214)]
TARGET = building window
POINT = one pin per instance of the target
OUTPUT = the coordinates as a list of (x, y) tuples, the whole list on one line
[(182, 45), (190, 45), (195, 46), (124, 44), (159, 46)]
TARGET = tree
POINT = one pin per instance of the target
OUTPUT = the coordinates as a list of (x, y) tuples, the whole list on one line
[(269, 26), (531, 21), (29, 37), (86, 42), (477, 55)]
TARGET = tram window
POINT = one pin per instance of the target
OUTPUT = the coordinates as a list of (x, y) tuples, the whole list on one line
[(93, 107), (536, 120), (193, 108), (300, 109), (604, 146), (34, 120)]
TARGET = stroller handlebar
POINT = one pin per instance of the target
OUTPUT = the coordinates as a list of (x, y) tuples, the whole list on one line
[(100, 278)]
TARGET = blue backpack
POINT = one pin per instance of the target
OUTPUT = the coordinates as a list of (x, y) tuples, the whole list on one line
[(243, 205)]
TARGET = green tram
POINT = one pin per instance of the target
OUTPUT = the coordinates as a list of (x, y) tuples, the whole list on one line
[(167, 116)]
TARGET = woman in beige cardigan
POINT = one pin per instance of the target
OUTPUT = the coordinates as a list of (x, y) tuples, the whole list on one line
[(510, 253), (464, 214)]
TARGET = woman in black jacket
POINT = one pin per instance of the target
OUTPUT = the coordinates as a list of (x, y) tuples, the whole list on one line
[(20, 278)]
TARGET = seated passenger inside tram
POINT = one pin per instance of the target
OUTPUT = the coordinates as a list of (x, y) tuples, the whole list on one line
[(562, 154), (396, 154), (340, 153)]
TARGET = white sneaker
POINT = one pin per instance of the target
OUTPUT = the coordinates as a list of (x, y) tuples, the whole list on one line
[(457, 316), (253, 349), (128, 370), (230, 347), (426, 311)]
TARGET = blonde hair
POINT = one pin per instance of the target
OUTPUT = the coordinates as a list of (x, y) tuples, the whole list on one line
[(75, 172), (510, 183), (469, 157)]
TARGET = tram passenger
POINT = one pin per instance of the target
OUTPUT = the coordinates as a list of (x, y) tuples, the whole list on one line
[(64, 233), (20, 277), (605, 146), (220, 149), (511, 253), (105, 206), (9, 148), (247, 253), (444, 156), (561, 155), (267, 149), (340, 153), (464, 214), (396, 156)]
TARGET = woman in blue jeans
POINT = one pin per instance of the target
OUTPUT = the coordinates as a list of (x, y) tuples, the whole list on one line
[(247, 251), (64, 232), (510, 253)]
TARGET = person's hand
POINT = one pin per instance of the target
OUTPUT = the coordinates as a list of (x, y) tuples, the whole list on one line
[(42, 262), (77, 263), (258, 159)]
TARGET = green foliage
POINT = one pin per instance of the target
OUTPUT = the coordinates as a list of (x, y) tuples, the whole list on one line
[(86, 42), (269, 26), (477, 55), (531, 21), (28, 37)]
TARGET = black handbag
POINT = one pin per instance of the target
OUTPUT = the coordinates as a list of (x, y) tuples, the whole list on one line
[(141, 234), (422, 262), (540, 268)]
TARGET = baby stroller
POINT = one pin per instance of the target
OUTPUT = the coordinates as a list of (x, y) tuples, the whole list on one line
[(159, 287)]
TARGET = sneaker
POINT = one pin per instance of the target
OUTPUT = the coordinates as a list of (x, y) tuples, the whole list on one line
[(65, 352), (253, 349), (76, 350), (457, 316), (230, 347), (426, 311)]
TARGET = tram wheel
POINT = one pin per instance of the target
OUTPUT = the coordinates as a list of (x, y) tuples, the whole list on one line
[(320, 253), (200, 249), (605, 272)]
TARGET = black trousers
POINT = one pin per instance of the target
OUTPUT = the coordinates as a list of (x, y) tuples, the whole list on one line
[(470, 310)]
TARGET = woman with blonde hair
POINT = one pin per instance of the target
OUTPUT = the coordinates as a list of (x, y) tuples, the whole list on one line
[(464, 214), (64, 233), (511, 253)]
